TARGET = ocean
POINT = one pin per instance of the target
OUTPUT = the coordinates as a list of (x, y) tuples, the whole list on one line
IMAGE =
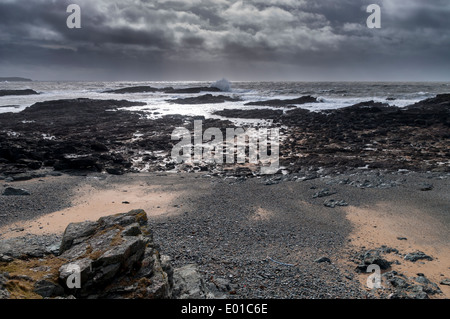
[(332, 95)]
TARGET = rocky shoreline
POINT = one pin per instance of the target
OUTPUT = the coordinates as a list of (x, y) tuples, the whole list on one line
[(101, 135), (329, 161)]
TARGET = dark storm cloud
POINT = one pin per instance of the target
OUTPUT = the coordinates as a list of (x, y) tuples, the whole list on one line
[(194, 39)]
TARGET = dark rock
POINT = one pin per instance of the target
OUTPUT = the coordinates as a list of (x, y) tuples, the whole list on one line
[(368, 106), (134, 89), (111, 250), (5, 258), (11, 191), (370, 257), (115, 170), (323, 193), (99, 147), (323, 260), (419, 255), (76, 231), (28, 246), (284, 103), (426, 187), (204, 99), (250, 114), (332, 203), (191, 90), (168, 90), (17, 92), (428, 286), (445, 282), (47, 288)]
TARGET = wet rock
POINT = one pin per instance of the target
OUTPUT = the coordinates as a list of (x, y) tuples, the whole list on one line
[(78, 163), (115, 170), (134, 89), (18, 92), (250, 114), (191, 90), (284, 103), (204, 99)]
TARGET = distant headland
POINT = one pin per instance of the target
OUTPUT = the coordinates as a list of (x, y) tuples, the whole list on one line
[(14, 79)]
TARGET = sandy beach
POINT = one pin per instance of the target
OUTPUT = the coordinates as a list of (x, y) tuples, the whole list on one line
[(268, 236)]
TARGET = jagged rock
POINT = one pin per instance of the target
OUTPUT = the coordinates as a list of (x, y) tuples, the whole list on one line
[(105, 250), (113, 257), (370, 257), (76, 231)]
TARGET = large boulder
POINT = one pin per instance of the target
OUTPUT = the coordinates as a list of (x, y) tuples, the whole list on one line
[(114, 257), (106, 253)]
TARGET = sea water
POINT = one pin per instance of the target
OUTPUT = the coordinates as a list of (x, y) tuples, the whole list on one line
[(331, 95)]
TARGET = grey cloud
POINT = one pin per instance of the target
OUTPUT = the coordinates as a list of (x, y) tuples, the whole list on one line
[(178, 38)]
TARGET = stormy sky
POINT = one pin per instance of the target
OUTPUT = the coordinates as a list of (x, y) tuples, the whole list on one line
[(306, 40)]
